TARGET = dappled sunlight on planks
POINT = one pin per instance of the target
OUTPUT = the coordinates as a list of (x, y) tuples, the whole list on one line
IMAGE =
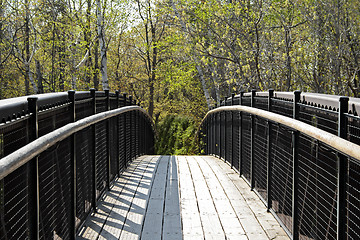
[(183, 197)]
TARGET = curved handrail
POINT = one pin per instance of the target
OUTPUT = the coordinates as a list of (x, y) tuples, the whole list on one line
[(317, 98), (21, 156), (340, 144)]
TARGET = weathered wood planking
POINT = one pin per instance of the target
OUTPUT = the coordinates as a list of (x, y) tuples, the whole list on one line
[(153, 219), (94, 225), (135, 216), (184, 197), (172, 218), (257, 222)]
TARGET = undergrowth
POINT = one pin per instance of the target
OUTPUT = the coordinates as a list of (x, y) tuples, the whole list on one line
[(176, 136)]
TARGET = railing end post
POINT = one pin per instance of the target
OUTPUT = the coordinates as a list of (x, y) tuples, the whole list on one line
[(241, 96), (295, 185), (296, 100), (253, 94), (271, 92), (342, 168), (117, 93), (270, 97), (342, 123), (71, 95), (33, 110), (33, 172)]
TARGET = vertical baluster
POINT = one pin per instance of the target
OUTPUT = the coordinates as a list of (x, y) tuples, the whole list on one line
[(125, 130), (232, 131), (269, 163), (240, 133), (93, 147), (71, 95), (295, 175), (252, 139), (108, 148), (220, 133), (117, 150), (342, 171), (33, 170), (131, 130)]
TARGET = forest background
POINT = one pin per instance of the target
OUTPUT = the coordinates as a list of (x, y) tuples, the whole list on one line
[(179, 57)]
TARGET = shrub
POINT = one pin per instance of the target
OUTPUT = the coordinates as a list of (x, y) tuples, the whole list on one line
[(176, 135)]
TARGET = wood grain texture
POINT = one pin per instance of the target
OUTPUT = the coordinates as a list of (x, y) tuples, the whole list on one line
[(182, 197)]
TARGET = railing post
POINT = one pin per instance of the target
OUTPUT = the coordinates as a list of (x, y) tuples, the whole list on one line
[(144, 134), (252, 134), (218, 130), (241, 135), (213, 134), (225, 135), (71, 95), (213, 131), (296, 107), (136, 129), (269, 163), (93, 146), (124, 128), (33, 170), (295, 194), (220, 133), (117, 133), (295, 175), (342, 169), (108, 159), (131, 130), (232, 131)]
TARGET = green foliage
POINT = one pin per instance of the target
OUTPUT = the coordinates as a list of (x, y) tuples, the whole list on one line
[(176, 136)]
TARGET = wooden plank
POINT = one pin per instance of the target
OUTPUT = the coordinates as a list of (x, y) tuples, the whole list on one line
[(191, 222), (228, 218), (93, 226), (184, 197), (116, 220), (152, 227), (172, 219), (257, 222), (135, 216), (209, 217)]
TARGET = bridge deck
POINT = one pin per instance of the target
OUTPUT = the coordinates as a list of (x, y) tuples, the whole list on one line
[(182, 197)]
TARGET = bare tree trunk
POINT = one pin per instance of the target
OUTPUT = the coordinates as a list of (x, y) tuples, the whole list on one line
[(53, 52), (27, 48), (196, 60), (320, 59), (39, 77), (87, 38), (96, 64), (101, 36), (257, 53), (151, 100), (74, 69), (62, 64), (288, 57)]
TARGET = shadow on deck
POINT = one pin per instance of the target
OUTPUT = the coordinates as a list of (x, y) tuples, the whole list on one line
[(180, 197)]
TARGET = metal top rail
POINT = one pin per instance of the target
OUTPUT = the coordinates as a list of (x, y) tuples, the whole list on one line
[(315, 98), (340, 144), (18, 158)]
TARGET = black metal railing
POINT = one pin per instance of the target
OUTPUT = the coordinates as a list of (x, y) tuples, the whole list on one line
[(59, 155), (309, 183), (318, 110)]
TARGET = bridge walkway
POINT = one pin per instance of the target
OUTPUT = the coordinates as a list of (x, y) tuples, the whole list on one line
[(180, 197)]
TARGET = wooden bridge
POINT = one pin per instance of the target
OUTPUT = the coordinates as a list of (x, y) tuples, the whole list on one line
[(181, 197), (274, 165)]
